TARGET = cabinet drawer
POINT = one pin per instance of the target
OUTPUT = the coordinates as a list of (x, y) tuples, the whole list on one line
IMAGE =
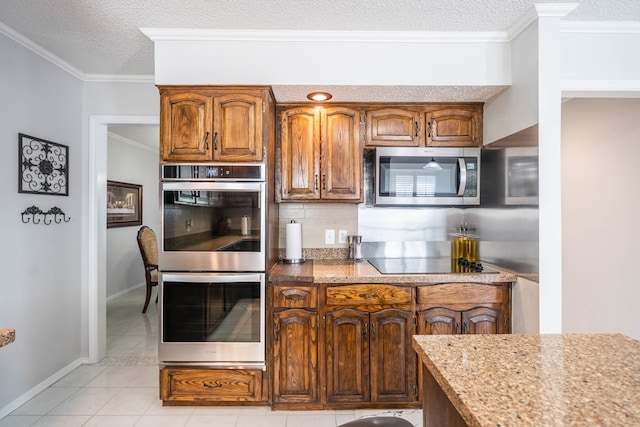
[(459, 293), (368, 295), (210, 385), (295, 297)]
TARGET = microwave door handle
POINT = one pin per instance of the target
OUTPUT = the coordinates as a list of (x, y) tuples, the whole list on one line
[(462, 169)]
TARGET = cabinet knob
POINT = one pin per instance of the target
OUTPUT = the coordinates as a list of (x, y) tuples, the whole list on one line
[(206, 140)]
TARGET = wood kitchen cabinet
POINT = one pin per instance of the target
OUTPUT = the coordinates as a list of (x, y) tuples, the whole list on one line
[(295, 345), (320, 155), (368, 353), (193, 386), (455, 127), (395, 127), (464, 308), (205, 123)]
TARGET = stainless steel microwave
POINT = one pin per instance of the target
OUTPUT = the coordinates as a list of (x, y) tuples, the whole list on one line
[(427, 176)]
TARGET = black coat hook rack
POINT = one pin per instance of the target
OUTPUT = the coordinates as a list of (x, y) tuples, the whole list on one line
[(36, 215)]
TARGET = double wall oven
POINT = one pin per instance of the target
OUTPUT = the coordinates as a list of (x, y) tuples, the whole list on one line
[(212, 259)]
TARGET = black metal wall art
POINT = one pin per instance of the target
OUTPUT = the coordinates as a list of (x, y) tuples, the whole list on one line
[(36, 215), (43, 167)]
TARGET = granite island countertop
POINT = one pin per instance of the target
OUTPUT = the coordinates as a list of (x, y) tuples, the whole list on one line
[(345, 271), (7, 336), (536, 380)]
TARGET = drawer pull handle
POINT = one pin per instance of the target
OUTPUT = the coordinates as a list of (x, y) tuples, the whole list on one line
[(212, 385), (295, 294), (206, 141), (369, 296)]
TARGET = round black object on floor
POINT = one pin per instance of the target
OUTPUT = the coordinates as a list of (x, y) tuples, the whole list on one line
[(378, 422)]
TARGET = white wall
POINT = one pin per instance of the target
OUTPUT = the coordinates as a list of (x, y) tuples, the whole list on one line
[(135, 164), (40, 290), (516, 108), (600, 152)]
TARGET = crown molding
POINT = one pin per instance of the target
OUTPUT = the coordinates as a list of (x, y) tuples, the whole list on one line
[(119, 78), (538, 10), (601, 27), (39, 50), (133, 143), (185, 34)]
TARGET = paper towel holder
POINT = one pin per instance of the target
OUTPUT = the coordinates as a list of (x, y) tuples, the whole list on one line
[(294, 260)]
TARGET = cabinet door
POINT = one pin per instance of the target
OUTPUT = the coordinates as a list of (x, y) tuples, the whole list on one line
[(394, 127), (341, 160), (237, 132), (439, 321), (185, 126), (481, 320), (392, 358), (347, 356), (300, 154), (295, 358), (453, 127)]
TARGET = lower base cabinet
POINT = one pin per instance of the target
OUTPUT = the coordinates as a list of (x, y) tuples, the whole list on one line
[(295, 357), (202, 386), (369, 358)]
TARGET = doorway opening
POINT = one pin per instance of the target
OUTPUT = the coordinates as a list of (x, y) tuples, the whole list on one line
[(94, 229)]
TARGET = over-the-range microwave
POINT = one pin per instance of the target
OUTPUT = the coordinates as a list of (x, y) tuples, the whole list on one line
[(426, 176)]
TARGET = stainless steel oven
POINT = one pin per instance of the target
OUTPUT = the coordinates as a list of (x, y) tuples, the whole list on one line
[(213, 217), (212, 263), (212, 319)]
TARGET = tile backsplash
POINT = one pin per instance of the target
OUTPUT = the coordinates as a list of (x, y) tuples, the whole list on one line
[(315, 218)]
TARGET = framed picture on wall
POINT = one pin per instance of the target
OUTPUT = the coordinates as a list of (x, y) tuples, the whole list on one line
[(124, 204)]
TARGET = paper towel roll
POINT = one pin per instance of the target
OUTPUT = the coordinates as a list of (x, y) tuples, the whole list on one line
[(293, 236), (245, 225)]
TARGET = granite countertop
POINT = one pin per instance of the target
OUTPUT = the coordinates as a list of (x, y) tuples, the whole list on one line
[(7, 336), (537, 380), (345, 271)]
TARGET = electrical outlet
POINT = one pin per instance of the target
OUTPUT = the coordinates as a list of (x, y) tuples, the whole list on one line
[(342, 236), (330, 237)]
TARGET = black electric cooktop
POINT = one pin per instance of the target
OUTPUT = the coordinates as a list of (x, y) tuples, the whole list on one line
[(426, 266)]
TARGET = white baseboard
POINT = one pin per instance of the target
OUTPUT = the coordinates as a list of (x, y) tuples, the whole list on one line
[(15, 404), (126, 291)]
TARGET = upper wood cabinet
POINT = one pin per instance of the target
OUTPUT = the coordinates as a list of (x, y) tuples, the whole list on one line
[(454, 127), (397, 127), (185, 125), (212, 123), (237, 127), (320, 155)]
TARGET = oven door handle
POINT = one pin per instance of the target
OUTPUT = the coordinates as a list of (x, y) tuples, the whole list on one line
[(212, 277)]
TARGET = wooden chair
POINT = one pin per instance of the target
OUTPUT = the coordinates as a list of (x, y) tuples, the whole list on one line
[(148, 245)]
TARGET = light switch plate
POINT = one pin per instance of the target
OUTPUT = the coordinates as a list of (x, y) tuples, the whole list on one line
[(342, 236), (330, 237)]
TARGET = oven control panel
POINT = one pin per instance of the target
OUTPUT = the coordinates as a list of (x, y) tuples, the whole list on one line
[(213, 172)]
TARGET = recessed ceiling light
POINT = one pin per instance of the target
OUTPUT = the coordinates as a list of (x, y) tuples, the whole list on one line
[(319, 96)]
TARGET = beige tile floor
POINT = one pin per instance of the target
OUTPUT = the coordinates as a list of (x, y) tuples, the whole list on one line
[(122, 390)]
